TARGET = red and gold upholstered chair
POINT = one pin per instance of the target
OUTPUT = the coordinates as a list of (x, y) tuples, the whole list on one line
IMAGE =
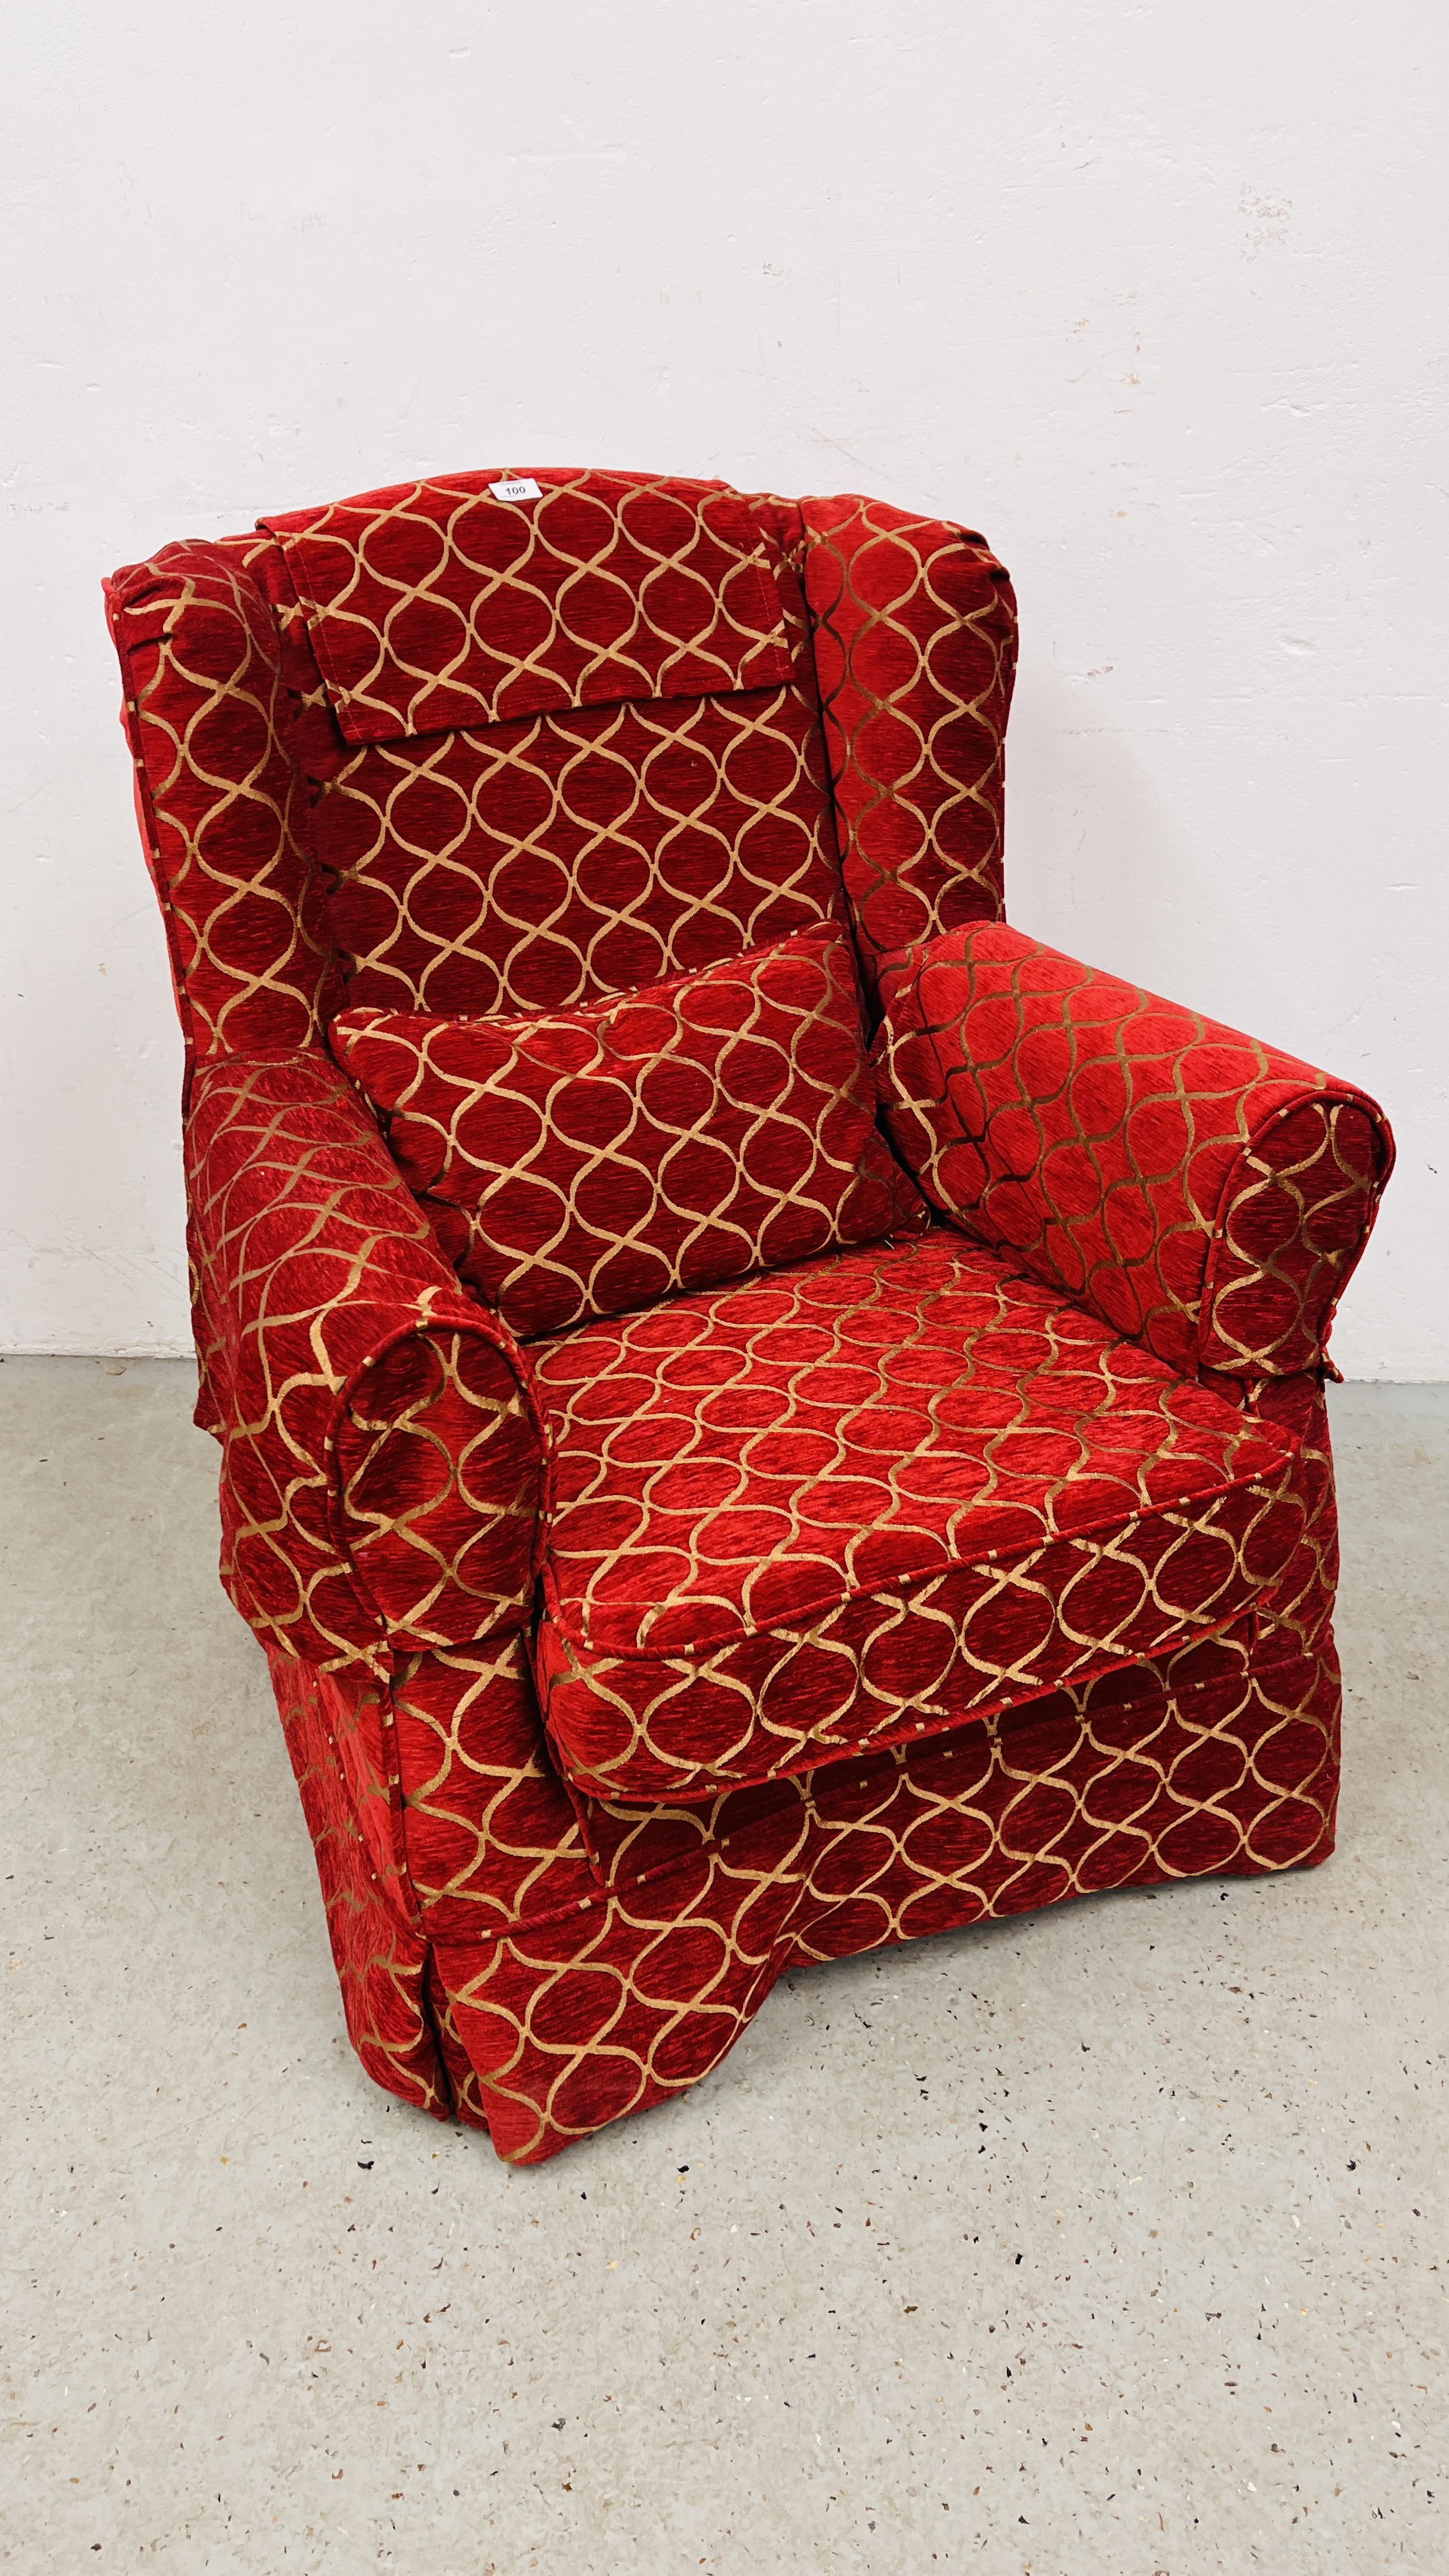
[(762, 1412)]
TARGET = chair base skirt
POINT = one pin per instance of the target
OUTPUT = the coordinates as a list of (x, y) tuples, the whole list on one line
[(546, 2031)]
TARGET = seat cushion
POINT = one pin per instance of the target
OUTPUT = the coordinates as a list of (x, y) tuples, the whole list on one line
[(586, 1161), (868, 1498)]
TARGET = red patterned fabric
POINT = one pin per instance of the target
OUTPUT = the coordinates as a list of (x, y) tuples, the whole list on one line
[(898, 1587), (541, 867), (383, 1453), (914, 629), (1143, 1779), (578, 1164), (599, 1992), (1199, 1191), (866, 1499), (1302, 1606), (221, 804), (542, 864), (380, 1957), (441, 603), (490, 1832)]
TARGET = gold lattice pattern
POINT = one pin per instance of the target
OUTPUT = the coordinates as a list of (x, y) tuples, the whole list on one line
[(452, 601), (582, 1162), (874, 1593), (867, 1498), (914, 631), (1203, 1193), (383, 1454), (222, 805)]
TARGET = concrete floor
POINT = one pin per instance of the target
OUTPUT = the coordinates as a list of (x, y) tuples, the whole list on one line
[(1142, 2250)]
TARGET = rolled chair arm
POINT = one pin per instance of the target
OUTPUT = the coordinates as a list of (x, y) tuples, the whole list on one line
[(1202, 1193), (384, 1455)]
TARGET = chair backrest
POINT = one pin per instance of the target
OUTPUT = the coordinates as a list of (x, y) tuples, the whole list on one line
[(488, 743)]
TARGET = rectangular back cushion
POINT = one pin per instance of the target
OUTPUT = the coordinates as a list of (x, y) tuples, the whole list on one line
[(579, 1163), (558, 747)]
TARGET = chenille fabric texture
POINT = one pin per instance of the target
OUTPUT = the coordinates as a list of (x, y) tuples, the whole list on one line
[(1202, 1193), (578, 1163), (438, 608), (680, 1554), (844, 1506)]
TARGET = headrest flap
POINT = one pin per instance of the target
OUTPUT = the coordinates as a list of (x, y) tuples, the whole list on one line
[(446, 603)]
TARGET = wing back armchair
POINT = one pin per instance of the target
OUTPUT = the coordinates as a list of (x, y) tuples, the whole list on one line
[(763, 1412)]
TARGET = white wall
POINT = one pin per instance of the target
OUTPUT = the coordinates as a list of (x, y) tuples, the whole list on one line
[(1153, 294)]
